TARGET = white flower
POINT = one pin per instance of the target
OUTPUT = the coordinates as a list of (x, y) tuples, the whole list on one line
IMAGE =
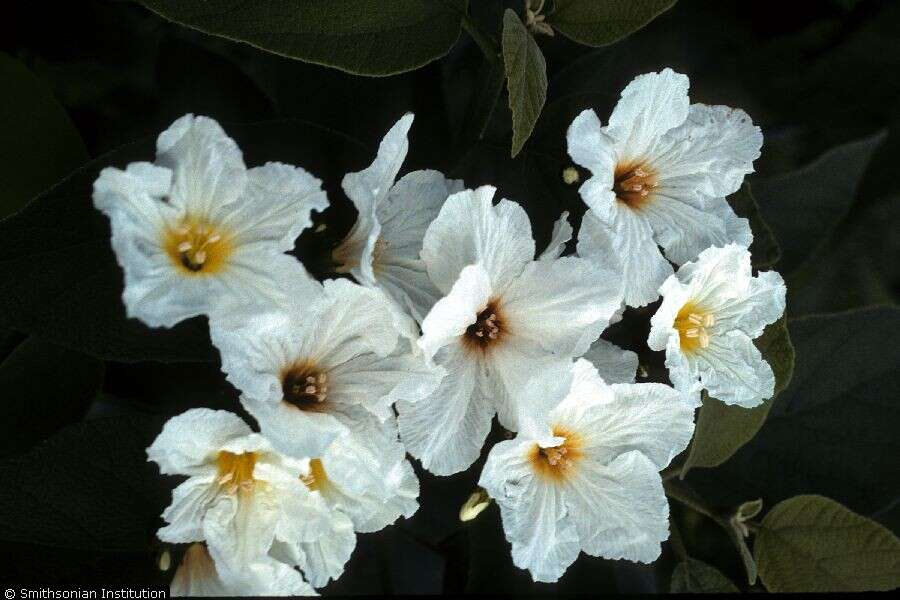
[(240, 496), (661, 170), (583, 472), (197, 576), (309, 376), (503, 317), (712, 309), (198, 227), (366, 481), (382, 249)]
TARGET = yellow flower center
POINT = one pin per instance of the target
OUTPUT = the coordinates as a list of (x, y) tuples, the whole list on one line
[(236, 471), (633, 183), (317, 479), (557, 463), (304, 386), (197, 248), (693, 323)]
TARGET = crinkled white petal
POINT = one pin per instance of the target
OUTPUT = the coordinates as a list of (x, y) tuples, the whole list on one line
[(189, 441), (590, 147), (711, 152), (628, 240), (367, 189), (614, 364), (296, 432), (447, 430), (471, 229), (536, 519), (509, 369), (619, 508), (733, 370), (455, 312), (239, 530), (190, 501), (680, 227), (404, 216), (650, 106), (324, 559), (275, 206), (208, 168), (763, 304), (351, 320), (559, 237), (369, 478), (662, 324), (377, 382), (563, 304)]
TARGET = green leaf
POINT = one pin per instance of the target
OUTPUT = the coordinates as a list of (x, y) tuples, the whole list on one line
[(748, 510), (41, 145), (692, 576), (814, 544), (722, 429), (526, 78), (833, 431), (600, 23), (45, 387), (364, 37), (60, 277), (764, 249), (804, 207), (104, 494)]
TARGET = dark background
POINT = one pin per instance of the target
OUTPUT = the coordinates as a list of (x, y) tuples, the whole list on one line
[(816, 75)]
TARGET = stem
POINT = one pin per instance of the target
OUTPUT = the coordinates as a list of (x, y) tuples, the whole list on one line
[(487, 45), (689, 499)]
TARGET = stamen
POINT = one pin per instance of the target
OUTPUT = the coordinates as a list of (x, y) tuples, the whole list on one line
[(632, 183), (184, 246), (693, 327), (200, 257)]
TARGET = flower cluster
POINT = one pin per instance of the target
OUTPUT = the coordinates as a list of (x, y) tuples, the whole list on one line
[(451, 317)]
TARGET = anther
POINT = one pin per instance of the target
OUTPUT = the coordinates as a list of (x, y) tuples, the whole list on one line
[(184, 246)]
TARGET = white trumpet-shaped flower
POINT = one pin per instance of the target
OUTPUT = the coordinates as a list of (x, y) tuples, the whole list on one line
[(382, 249), (197, 576), (583, 472), (310, 375), (504, 316), (661, 169), (712, 309), (197, 227), (240, 496)]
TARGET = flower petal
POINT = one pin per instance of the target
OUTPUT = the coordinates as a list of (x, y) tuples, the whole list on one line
[(733, 370), (208, 168), (447, 430), (713, 150), (629, 240), (650, 106), (619, 508), (276, 206), (590, 147), (184, 516), (614, 364), (560, 236), (470, 229), (563, 304), (453, 313), (189, 441)]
